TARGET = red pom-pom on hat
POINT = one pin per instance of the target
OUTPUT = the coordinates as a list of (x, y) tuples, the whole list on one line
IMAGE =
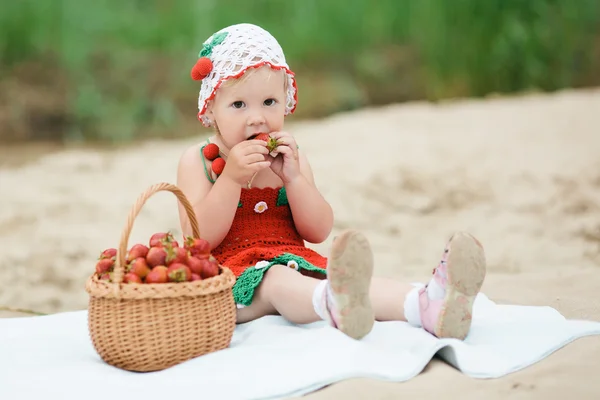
[(202, 68)]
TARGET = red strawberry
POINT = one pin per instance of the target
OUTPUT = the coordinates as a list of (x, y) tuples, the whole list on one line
[(105, 265), (211, 151), (176, 255), (138, 250), (130, 277), (139, 266), (158, 275), (196, 277), (197, 247), (108, 253), (196, 264), (162, 239), (155, 239), (179, 273), (210, 268), (156, 256), (218, 165), (272, 143)]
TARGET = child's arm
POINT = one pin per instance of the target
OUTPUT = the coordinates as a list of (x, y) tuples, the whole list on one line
[(313, 216), (215, 204)]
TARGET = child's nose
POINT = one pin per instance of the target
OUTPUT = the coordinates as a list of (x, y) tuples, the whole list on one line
[(256, 119)]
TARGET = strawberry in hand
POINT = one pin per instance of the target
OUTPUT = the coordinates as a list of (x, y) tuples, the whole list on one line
[(285, 162), (272, 143)]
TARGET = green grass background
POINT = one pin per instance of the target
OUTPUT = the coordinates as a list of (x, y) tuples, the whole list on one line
[(113, 70)]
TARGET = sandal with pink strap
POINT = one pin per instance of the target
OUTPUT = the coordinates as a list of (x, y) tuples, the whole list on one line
[(349, 273), (460, 273)]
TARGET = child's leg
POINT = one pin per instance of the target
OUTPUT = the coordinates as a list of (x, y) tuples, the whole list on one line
[(343, 299), (259, 308), (387, 297), (290, 294), (283, 291), (444, 306)]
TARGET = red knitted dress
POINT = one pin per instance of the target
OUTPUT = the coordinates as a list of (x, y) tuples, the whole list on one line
[(262, 230)]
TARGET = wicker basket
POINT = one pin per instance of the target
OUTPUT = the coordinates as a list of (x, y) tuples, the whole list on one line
[(150, 327)]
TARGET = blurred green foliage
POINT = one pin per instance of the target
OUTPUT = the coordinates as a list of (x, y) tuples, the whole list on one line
[(118, 70)]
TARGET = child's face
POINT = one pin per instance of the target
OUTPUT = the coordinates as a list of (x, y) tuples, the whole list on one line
[(254, 105)]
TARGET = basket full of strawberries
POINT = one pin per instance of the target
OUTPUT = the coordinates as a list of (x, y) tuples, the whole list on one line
[(154, 306)]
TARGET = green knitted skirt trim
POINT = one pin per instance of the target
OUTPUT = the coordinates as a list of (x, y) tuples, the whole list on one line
[(246, 283)]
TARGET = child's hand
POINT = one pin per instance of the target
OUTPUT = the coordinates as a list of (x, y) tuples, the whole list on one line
[(285, 164), (245, 159)]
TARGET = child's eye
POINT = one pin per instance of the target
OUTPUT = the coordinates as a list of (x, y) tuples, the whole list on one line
[(237, 104), (270, 102)]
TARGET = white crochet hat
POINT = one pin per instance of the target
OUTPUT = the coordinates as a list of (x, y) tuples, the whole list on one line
[(229, 53)]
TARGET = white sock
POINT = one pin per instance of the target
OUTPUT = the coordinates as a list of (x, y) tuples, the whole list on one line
[(411, 302), (317, 299), (435, 291), (411, 307)]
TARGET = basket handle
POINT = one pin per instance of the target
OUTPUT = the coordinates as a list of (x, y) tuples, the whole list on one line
[(119, 271)]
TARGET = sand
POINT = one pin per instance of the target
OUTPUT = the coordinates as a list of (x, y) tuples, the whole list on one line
[(522, 174)]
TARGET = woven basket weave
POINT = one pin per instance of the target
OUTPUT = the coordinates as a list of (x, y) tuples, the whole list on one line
[(150, 327)]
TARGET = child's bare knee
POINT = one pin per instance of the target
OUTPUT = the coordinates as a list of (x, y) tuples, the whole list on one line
[(273, 279)]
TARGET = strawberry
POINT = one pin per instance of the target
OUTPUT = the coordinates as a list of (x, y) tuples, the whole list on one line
[(105, 265), (178, 272), (139, 266), (196, 277), (156, 256), (272, 143), (210, 268), (218, 165), (211, 151), (108, 253), (196, 264), (155, 239), (158, 275), (261, 136), (176, 255), (138, 250), (130, 277), (162, 239), (197, 247)]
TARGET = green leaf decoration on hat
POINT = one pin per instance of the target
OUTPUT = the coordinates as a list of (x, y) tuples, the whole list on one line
[(207, 48)]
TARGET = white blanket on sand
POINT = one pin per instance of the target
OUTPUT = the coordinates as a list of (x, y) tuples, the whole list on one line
[(52, 356)]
